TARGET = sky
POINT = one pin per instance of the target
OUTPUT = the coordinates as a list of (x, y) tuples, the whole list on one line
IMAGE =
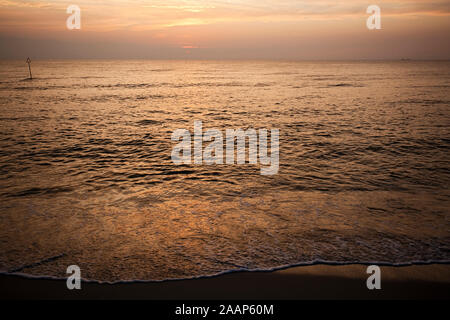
[(226, 29)]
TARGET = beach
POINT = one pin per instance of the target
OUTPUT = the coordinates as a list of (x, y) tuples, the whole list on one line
[(189, 151), (305, 282)]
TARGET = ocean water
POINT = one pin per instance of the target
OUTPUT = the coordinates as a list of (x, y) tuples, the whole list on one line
[(86, 175)]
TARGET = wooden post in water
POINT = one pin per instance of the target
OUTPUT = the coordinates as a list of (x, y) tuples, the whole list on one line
[(29, 67)]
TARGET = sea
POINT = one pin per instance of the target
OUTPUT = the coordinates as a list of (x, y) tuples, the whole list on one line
[(87, 177)]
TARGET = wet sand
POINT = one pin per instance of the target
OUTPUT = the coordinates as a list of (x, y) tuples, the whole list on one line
[(311, 282)]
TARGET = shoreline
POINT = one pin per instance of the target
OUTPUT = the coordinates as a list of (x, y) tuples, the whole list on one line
[(320, 281)]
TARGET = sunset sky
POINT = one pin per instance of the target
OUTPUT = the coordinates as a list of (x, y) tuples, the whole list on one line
[(227, 29)]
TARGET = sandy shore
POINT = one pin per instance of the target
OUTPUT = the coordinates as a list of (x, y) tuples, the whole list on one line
[(312, 282)]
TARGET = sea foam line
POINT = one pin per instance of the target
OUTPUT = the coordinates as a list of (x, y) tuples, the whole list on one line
[(259, 270)]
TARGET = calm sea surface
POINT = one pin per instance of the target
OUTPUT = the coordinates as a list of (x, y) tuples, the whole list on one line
[(86, 175)]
